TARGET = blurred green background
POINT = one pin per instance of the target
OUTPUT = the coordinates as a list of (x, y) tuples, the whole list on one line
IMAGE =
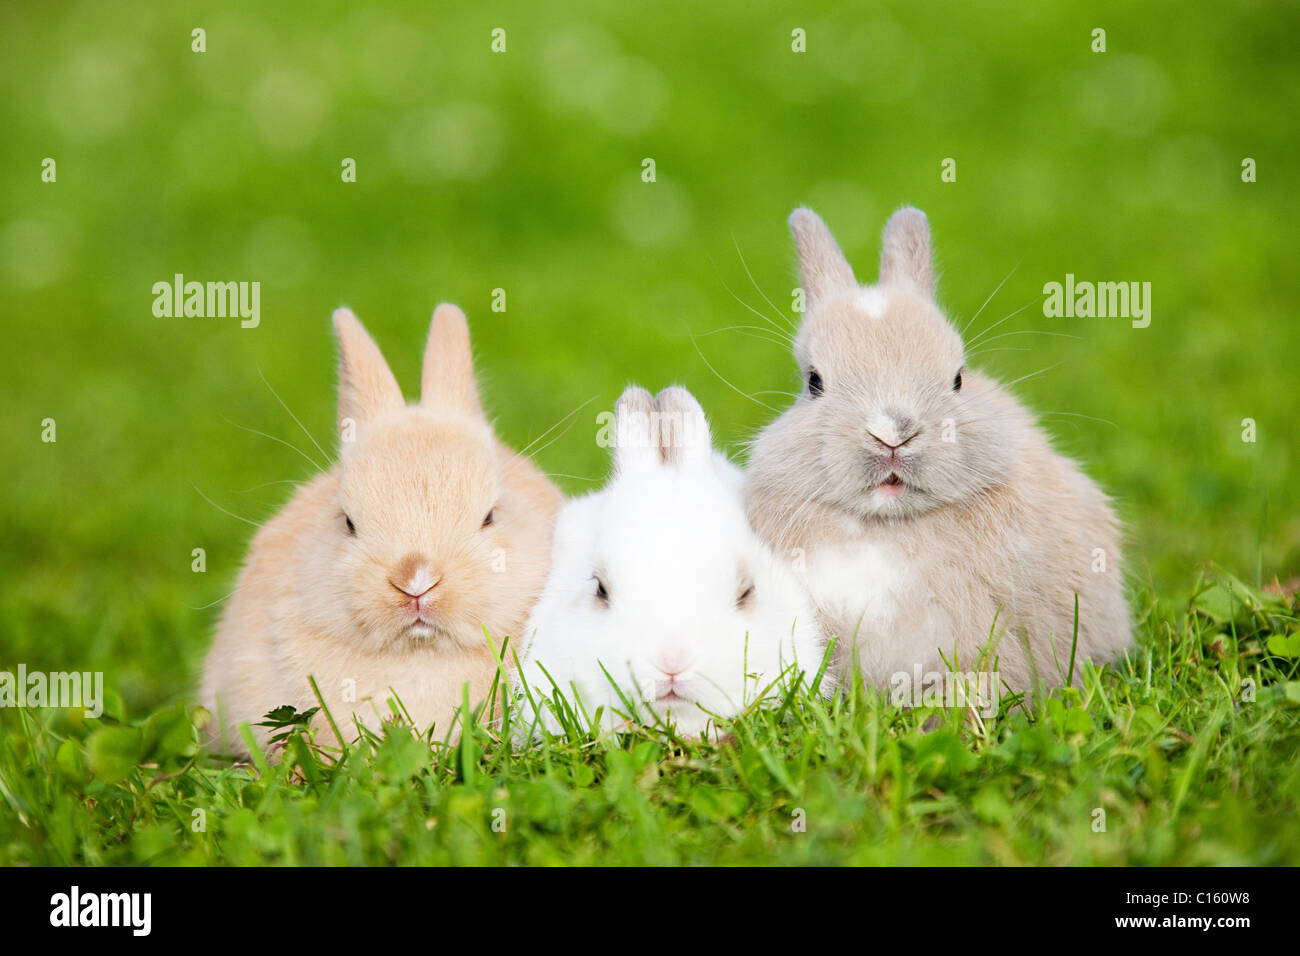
[(522, 171)]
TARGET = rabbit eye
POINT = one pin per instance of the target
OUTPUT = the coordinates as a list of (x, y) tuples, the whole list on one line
[(956, 383), (746, 598), (487, 521), (602, 595), (352, 529), (815, 386)]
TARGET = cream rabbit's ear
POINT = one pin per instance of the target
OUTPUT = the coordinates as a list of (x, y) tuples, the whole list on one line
[(448, 376), (823, 270), (905, 255), (367, 388)]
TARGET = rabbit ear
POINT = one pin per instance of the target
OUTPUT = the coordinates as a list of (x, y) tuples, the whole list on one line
[(668, 431), (636, 432), (367, 388), (823, 270), (684, 439), (905, 252), (449, 363)]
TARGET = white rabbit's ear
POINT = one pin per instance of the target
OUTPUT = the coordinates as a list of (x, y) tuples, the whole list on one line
[(448, 376), (684, 439), (636, 431), (905, 252), (823, 270), (367, 388)]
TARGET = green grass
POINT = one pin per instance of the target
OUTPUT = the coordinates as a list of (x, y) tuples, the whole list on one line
[(1182, 754), (521, 171)]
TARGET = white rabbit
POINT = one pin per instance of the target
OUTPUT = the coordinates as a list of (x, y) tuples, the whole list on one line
[(659, 585), (927, 512)]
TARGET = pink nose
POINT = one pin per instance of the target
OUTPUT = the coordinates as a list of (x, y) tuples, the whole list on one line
[(418, 584), (673, 663), (895, 441)]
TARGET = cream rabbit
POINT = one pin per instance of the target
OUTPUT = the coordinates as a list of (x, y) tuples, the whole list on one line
[(384, 571), (918, 500)]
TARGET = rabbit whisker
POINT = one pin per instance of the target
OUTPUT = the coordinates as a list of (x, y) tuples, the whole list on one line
[(224, 511), (1064, 335), (286, 407), (525, 450), (720, 377), (267, 484), (778, 329), (754, 332), (1091, 418), (972, 319), (1005, 348), (981, 335), (784, 321), (1016, 381), (287, 444)]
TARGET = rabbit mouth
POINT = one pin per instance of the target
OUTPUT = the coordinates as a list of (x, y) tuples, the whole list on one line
[(892, 486), (672, 697), (420, 628), (425, 626)]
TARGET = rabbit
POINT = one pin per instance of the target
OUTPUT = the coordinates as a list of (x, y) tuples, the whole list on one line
[(928, 515), (659, 584), (383, 572)]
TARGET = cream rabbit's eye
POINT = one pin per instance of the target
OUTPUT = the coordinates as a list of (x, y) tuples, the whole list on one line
[(815, 386), (352, 529), (487, 521), (956, 383)]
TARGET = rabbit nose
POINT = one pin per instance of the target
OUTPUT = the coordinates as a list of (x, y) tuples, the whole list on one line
[(673, 662), (414, 579), (893, 430), (414, 590)]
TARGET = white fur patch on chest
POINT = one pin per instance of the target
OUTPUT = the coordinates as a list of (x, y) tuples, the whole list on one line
[(873, 302), (861, 582)]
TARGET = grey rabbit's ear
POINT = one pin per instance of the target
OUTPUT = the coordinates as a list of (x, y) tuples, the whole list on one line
[(905, 256), (823, 270)]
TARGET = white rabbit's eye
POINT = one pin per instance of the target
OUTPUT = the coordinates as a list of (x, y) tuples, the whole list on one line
[(601, 594), (487, 521), (815, 386), (352, 529), (746, 598), (956, 382)]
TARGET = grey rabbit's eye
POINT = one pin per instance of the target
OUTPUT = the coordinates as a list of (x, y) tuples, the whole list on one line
[(815, 386)]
